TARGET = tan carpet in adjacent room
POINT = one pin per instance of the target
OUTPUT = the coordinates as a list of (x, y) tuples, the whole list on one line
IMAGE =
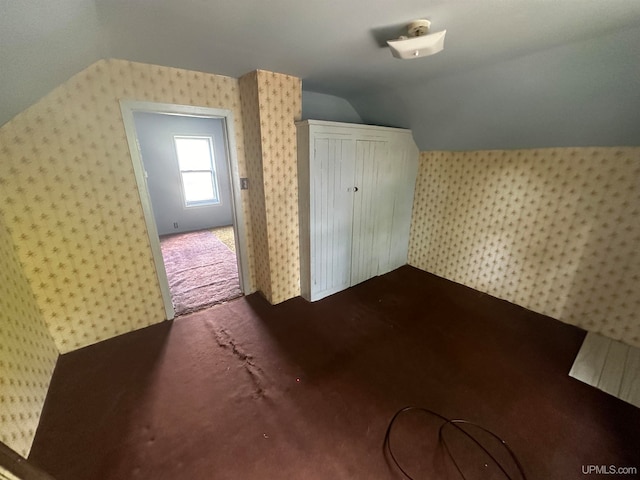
[(226, 236)]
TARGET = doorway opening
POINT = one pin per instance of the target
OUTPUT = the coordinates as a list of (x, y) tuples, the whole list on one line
[(186, 168)]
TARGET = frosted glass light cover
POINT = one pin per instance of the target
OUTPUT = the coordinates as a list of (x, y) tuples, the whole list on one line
[(416, 47)]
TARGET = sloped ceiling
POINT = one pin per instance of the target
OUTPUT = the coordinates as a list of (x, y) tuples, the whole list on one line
[(518, 73)]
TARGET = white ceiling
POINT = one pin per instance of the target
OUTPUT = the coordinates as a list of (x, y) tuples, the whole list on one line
[(334, 46)]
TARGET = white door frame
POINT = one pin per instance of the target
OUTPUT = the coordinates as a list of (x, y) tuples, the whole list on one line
[(128, 107)]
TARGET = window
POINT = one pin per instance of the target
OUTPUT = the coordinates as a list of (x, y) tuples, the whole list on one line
[(197, 170)]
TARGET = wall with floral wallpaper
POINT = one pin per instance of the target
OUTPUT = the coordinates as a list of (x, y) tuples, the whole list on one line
[(271, 103), (250, 102), (554, 230), (27, 352), (70, 201)]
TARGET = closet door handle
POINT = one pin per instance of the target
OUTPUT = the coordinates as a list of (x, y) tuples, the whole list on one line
[(355, 189)]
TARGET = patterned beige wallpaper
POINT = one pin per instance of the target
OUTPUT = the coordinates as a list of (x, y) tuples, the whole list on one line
[(271, 103), (69, 197), (554, 230), (250, 102), (27, 352), (281, 105)]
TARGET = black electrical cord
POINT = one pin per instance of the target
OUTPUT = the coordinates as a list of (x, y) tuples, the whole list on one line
[(455, 424)]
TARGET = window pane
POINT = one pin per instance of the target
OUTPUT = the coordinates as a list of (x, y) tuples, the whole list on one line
[(198, 188), (194, 153)]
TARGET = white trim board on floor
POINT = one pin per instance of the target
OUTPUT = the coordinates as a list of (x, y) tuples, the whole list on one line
[(610, 366)]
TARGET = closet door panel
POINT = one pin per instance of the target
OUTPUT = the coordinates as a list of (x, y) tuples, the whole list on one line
[(406, 171), (389, 180), (370, 154), (331, 215)]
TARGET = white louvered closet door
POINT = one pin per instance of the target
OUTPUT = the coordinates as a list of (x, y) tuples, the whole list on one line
[(370, 158), (332, 177)]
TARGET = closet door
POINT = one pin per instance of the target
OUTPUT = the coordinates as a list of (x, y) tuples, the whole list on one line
[(331, 209), (370, 155), (406, 171), (387, 187)]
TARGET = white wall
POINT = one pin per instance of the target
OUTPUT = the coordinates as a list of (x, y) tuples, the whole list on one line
[(322, 106), (155, 133)]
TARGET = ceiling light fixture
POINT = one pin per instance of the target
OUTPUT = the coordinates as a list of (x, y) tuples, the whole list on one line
[(419, 43)]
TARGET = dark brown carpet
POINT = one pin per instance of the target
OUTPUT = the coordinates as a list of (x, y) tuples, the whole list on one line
[(201, 270), (246, 390)]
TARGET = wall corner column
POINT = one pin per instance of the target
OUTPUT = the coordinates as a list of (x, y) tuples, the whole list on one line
[(271, 104)]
